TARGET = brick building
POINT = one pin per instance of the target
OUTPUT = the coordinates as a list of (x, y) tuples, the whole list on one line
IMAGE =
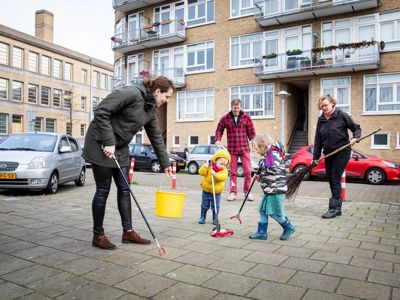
[(216, 50), (46, 87)]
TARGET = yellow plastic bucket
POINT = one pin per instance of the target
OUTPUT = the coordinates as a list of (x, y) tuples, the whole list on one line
[(169, 205)]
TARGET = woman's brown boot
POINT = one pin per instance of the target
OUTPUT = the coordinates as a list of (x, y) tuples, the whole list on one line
[(101, 241), (130, 236)]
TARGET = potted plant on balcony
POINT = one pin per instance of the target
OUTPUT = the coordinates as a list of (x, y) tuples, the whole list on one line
[(294, 52), (271, 55)]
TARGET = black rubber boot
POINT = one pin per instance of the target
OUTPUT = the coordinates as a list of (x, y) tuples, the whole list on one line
[(202, 217), (339, 207), (332, 211)]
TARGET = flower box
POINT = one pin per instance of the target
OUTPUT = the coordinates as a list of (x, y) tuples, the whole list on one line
[(294, 52), (269, 56)]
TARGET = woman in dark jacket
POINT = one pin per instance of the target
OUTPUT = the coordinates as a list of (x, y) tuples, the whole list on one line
[(116, 120), (331, 134)]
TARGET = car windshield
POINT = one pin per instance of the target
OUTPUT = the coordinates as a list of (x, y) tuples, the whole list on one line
[(30, 142), (150, 147)]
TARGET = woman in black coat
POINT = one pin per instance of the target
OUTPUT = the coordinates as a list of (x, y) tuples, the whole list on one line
[(331, 134), (116, 120)]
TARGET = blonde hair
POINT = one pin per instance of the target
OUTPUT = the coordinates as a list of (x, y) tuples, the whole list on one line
[(327, 97), (263, 140)]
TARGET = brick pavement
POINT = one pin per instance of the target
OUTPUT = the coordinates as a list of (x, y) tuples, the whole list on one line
[(45, 251)]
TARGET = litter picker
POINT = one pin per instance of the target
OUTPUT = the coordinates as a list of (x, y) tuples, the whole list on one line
[(295, 180)]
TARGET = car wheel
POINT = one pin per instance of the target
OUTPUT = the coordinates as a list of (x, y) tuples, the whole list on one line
[(239, 171), (155, 166), (300, 167), (81, 179), (375, 176), (52, 185), (193, 168)]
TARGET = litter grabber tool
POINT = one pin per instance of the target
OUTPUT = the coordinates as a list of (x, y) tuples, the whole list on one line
[(295, 180), (161, 249), (217, 231)]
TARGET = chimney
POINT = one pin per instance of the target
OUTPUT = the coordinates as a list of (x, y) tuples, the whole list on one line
[(44, 25)]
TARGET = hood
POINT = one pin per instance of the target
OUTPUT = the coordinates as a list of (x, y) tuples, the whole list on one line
[(175, 157), (22, 157), (222, 153)]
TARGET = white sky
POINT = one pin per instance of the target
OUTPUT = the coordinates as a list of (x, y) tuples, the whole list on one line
[(85, 26)]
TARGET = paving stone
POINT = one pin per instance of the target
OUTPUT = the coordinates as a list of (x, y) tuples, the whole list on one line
[(130, 297), (33, 252), (313, 237), (15, 246), (185, 291), (58, 240), (93, 292), (321, 246), (55, 259), (356, 252), (158, 266), (75, 246), (231, 283), (271, 290), (269, 259), (364, 290), (377, 247), (295, 251), (145, 284), (4, 239), (232, 253), (262, 246), (390, 242), (341, 270), (232, 242), (387, 257), (10, 290), (313, 294), (111, 274), (371, 263), (176, 242), (364, 238), (34, 296), (232, 265), (336, 234), (197, 259), (30, 274), (271, 273), (344, 242), (397, 268), (82, 265), (223, 296), (332, 257), (127, 258), (97, 253), (315, 281), (304, 264), (396, 294), (202, 247), (13, 264), (392, 279)]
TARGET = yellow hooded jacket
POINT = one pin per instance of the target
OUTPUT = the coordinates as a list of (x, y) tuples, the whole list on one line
[(220, 176)]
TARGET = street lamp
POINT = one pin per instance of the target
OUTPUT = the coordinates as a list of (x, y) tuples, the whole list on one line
[(283, 95)]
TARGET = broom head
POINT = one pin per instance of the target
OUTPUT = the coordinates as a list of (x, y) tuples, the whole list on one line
[(295, 180)]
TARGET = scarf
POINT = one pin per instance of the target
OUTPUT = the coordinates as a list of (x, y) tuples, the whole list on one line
[(327, 116), (215, 168)]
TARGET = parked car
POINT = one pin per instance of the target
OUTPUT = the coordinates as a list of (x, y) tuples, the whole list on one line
[(81, 142), (375, 170), (40, 161), (146, 159), (201, 153)]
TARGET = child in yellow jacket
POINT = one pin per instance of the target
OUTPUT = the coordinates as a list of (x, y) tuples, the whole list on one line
[(218, 169)]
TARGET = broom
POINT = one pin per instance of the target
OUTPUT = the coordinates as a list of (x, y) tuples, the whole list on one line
[(295, 180)]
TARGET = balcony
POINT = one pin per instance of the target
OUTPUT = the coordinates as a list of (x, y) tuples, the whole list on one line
[(150, 36), (130, 5), (307, 63), (276, 12)]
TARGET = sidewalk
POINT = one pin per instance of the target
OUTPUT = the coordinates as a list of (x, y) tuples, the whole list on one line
[(45, 251)]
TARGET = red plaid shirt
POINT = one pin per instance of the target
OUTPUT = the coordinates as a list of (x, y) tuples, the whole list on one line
[(238, 134)]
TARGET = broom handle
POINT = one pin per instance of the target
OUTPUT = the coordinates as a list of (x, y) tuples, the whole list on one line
[(349, 144)]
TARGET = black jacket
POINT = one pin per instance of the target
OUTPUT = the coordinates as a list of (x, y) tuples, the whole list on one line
[(332, 133), (117, 119)]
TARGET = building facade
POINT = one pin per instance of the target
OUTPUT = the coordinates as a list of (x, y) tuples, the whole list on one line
[(218, 50), (46, 87)]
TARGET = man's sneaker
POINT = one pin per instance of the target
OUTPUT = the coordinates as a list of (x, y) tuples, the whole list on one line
[(249, 197), (232, 197)]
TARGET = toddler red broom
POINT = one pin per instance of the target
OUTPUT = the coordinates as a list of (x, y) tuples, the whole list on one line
[(295, 180)]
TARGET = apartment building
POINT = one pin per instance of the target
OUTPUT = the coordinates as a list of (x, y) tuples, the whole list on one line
[(46, 87), (256, 50)]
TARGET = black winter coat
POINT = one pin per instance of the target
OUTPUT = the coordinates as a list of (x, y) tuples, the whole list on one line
[(332, 133), (117, 119)]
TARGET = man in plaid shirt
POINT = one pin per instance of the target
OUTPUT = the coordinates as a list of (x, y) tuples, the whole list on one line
[(240, 130)]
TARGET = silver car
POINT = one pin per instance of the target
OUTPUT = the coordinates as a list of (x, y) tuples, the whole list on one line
[(40, 161)]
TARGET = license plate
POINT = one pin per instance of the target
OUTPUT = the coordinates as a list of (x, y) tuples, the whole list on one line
[(181, 164), (8, 176)]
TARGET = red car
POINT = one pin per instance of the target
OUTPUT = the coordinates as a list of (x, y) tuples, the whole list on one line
[(361, 166)]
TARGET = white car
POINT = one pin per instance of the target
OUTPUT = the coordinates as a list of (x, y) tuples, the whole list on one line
[(201, 153), (40, 161)]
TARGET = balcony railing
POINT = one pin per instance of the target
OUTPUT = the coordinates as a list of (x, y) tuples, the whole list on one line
[(307, 63), (130, 5), (275, 12), (150, 36)]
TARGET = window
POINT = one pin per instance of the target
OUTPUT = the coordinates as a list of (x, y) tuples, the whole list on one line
[(83, 102), (68, 71), (3, 88), (95, 102), (338, 88), (175, 141), (245, 48), (57, 68), (211, 139), (200, 12), (241, 8), (57, 98), (50, 125), (84, 76), (398, 140), (16, 124), (68, 128), (380, 140), (67, 99), (4, 53), (18, 57), (46, 65), (45, 96), (3, 123), (103, 81), (382, 93), (83, 129), (96, 79), (200, 57), (390, 29), (197, 105), (38, 124), (17, 90), (33, 93), (193, 140), (257, 100), (33, 63)]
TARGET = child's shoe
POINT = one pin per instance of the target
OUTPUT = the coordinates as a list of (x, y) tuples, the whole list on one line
[(261, 233), (202, 218), (288, 230)]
